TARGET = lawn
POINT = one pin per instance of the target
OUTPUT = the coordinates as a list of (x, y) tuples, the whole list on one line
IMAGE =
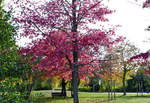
[(44, 96)]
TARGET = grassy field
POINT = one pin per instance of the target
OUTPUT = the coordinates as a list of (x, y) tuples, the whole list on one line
[(45, 97)]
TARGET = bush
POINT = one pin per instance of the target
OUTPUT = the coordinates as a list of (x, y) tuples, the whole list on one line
[(10, 91), (85, 89)]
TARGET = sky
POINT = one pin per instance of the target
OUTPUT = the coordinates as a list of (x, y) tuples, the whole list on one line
[(133, 20)]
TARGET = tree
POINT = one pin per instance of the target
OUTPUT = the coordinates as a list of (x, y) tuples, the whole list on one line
[(142, 59), (146, 4), (111, 64), (94, 81), (126, 50), (8, 49), (10, 68), (68, 46), (14, 82), (138, 81)]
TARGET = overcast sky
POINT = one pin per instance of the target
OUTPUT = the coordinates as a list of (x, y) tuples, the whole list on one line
[(133, 20)]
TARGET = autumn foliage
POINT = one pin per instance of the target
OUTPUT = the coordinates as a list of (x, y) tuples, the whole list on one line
[(55, 46), (142, 59), (66, 45)]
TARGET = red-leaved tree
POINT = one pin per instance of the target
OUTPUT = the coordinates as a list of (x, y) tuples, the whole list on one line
[(66, 45), (142, 59), (146, 4)]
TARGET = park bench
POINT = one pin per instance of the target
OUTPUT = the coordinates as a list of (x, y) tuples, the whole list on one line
[(58, 94)]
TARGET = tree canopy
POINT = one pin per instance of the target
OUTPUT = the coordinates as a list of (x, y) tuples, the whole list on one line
[(67, 45)]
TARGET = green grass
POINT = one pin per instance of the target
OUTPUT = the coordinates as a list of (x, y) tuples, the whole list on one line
[(133, 98), (44, 96)]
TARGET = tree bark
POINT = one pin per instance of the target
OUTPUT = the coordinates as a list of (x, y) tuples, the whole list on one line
[(75, 54), (124, 80), (137, 87), (29, 87), (111, 91), (142, 87), (72, 87), (114, 90), (108, 90), (63, 87), (28, 91), (75, 86)]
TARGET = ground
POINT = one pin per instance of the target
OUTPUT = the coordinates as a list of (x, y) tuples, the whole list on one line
[(44, 96)]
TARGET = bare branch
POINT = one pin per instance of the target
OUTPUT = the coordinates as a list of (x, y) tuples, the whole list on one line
[(80, 18), (99, 60), (80, 6), (37, 27), (67, 2), (94, 5), (59, 28), (59, 13), (134, 3), (67, 12)]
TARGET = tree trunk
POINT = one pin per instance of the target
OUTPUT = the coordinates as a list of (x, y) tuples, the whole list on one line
[(137, 87), (72, 92), (63, 87), (142, 87), (75, 86), (29, 87), (72, 87), (108, 90), (75, 53), (114, 90), (111, 91), (124, 80), (70, 65), (28, 91)]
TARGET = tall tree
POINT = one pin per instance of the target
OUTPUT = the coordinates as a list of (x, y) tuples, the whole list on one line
[(8, 48), (12, 69), (125, 51), (10, 72), (68, 45)]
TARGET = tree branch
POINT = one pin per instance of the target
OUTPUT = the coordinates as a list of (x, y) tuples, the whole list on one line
[(67, 12), (83, 64), (70, 64), (80, 18), (59, 13)]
